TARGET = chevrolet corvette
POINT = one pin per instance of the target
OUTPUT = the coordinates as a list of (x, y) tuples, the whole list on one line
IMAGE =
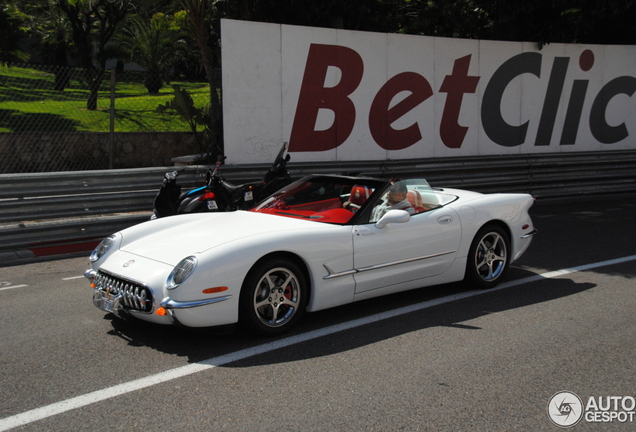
[(320, 242)]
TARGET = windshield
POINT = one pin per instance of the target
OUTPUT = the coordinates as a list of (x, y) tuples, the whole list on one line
[(330, 199), (414, 196)]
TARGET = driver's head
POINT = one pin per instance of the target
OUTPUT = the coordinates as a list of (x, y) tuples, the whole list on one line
[(397, 193)]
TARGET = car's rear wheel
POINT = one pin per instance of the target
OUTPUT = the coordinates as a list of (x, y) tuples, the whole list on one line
[(273, 297), (488, 257)]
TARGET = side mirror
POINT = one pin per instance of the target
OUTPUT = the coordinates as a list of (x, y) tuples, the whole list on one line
[(393, 216)]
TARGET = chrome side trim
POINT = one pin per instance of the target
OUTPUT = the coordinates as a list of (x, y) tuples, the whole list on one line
[(332, 275), (168, 303), (530, 234)]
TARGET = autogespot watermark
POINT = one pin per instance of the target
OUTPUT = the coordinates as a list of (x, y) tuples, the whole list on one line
[(566, 409)]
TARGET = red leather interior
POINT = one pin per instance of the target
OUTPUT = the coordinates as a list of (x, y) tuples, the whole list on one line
[(336, 215), (415, 198), (359, 194)]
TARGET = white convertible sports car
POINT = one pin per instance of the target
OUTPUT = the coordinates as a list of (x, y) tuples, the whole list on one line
[(322, 241)]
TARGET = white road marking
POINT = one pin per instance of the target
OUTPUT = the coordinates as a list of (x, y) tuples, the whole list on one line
[(161, 377), (74, 277), (13, 287)]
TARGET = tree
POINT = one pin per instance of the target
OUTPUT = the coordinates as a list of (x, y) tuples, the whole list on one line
[(154, 44), (50, 27), (561, 21), (93, 24), (203, 18), (12, 31), (369, 15), (451, 18), (183, 106)]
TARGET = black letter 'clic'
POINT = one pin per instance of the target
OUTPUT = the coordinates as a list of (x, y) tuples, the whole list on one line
[(603, 132), (493, 122)]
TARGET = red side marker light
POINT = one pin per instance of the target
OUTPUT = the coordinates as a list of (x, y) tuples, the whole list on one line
[(214, 290)]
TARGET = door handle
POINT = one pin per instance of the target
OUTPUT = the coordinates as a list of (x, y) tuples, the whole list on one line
[(445, 219)]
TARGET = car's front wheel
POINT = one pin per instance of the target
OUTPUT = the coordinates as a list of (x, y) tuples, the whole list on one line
[(488, 257), (273, 297)]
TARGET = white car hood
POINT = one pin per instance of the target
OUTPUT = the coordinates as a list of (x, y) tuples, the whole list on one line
[(173, 238)]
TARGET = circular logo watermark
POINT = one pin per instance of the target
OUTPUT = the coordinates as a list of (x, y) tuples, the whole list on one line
[(565, 409)]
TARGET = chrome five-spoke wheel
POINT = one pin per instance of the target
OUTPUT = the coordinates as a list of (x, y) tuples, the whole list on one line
[(273, 297), (488, 257)]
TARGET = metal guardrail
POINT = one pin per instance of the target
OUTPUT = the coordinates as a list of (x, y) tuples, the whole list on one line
[(50, 213)]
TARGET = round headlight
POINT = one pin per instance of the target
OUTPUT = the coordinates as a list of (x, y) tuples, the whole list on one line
[(102, 248), (181, 272)]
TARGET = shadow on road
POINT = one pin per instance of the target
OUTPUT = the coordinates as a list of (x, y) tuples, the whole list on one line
[(203, 344)]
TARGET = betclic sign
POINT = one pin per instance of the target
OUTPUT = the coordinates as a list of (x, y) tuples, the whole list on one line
[(345, 95)]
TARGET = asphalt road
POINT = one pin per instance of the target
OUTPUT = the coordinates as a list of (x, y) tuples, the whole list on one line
[(442, 359)]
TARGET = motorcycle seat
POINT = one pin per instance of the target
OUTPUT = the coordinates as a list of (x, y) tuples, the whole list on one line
[(233, 188)]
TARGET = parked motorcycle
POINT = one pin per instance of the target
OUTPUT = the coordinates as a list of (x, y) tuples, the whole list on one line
[(218, 194)]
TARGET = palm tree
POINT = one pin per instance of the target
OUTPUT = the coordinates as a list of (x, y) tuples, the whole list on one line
[(155, 45), (11, 33)]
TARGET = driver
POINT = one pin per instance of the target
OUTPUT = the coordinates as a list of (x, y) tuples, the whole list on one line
[(395, 200)]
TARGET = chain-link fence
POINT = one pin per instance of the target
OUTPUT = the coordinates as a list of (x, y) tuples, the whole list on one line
[(65, 119)]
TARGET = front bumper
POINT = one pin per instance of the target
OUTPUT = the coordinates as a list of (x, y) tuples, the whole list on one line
[(124, 299)]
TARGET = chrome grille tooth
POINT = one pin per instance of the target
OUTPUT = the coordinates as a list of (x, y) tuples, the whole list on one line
[(132, 295), (138, 298), (127, 297), (124, 295)]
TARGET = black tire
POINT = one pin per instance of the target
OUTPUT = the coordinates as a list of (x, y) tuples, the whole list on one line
[(488, 257), (273, 297)]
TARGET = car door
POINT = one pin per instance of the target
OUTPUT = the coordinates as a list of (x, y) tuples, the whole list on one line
[(424, 246)]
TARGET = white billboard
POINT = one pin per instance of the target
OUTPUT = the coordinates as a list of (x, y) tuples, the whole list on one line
[(340, 95)]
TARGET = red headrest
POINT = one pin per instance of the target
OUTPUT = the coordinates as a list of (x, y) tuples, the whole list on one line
[(359, 194)]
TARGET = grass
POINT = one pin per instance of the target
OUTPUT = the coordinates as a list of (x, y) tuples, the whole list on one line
[(29, 103)]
